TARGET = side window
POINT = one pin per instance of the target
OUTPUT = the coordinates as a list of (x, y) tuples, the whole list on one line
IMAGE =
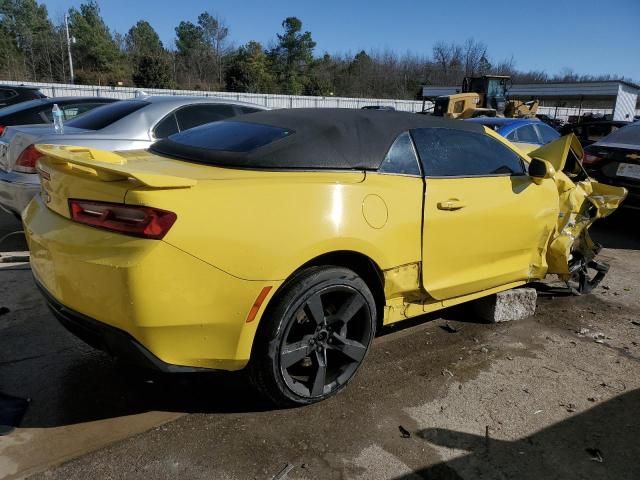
[(512, 136), (447, 152), (167, 126), (401, 157), (6, 94), (73, 110), (547, 133), (527, 134), (458, 107), (194, 115)]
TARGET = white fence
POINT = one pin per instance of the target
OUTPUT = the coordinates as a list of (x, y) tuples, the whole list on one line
[(267, 100)]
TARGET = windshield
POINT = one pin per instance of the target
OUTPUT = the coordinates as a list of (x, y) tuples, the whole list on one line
[(106, 115)]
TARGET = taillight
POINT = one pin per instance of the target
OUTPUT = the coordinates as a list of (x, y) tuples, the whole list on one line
[(2, 129), (138, 221), (591, 159), (26, 162)]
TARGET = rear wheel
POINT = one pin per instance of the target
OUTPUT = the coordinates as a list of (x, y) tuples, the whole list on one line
[(314, 339)]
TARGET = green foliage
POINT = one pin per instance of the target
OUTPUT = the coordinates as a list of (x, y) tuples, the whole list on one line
[(291, 59), (95, 49), (151, 71), (33, 48), (142, 39), (27, 36), (248, 70)]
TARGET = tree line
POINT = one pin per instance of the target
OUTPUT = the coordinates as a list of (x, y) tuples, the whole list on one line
[(33, 47)]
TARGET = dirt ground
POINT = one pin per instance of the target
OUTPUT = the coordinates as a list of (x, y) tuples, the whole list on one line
[(553, 396)]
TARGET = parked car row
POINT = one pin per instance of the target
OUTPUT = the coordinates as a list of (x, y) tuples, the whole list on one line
[(12, 94), (121, 125)]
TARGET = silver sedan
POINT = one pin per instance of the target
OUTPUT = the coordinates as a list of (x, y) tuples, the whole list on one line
[(125, 125)]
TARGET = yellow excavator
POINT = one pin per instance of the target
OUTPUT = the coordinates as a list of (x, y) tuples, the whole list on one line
[(484, 96)]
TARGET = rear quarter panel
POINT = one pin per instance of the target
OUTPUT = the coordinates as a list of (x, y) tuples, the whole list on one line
[(266, 226)]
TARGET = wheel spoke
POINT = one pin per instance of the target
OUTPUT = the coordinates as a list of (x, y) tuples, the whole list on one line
[(349, 308), (294, 352), (314, 310), (321, 374), (352, 349)]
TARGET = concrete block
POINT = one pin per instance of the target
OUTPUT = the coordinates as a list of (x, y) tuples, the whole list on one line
[(507, 306)]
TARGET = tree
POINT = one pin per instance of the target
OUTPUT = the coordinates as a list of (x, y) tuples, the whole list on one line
[(292, 57), (249, 70), (360, 72), (214, 35), (96, 54), (322, 77), (151, 72), (142, 39), (190, 52), (28, 35)]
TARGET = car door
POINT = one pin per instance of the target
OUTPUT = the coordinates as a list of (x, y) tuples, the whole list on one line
[(485, 222)]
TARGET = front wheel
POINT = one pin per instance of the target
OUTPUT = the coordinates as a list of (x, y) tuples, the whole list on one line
[(314, 339)]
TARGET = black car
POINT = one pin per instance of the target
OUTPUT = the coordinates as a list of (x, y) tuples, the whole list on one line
[(591, 132), (552, 122), (12, 94), (615, 160), (39, 111)]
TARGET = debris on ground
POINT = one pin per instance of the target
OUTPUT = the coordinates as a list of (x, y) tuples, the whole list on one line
[(404, 432), (570, 407), (596, 454), (633, 322), (282, 474), (4, 310), (446, 372), (447, 327)]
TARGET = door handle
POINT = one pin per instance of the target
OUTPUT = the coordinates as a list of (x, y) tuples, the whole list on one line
[(451, 204)]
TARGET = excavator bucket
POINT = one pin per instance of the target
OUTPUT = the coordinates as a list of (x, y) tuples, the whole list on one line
[(571, 251)]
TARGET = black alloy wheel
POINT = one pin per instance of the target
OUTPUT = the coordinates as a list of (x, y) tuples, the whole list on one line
[(315, 338)]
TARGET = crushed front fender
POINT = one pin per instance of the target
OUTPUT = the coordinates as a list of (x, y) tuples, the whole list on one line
[(582, 200)]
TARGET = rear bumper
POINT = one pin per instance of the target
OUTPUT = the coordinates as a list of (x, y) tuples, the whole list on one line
[(111, 340), (179, 309), (17, 189)]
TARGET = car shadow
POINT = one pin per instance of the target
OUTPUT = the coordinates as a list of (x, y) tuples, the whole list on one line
[(618, 230), (97, 387), (601, 442)]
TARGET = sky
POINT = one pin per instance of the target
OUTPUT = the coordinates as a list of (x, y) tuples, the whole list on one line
[(587, 36)]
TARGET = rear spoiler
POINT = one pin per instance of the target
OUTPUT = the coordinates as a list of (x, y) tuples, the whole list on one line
[(108, 166)]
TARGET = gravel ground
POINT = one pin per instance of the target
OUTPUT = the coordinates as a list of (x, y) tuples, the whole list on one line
[(553, 396)]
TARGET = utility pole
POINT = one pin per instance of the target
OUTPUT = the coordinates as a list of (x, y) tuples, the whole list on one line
[(66, 26)]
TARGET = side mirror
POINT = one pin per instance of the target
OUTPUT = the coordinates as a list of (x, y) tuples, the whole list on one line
[(540, 169)]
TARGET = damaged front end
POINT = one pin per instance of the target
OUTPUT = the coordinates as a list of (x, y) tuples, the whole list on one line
[(571, 251)]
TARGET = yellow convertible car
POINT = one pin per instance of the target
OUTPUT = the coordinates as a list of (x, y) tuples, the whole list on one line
[(281, 240)]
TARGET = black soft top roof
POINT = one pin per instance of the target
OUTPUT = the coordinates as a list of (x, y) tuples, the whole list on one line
[(327, 138)]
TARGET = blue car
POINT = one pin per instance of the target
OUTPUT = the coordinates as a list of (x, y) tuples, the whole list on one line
[(526, 133)]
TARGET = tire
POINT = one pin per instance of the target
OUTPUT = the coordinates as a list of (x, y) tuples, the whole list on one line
[(315, 336)]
